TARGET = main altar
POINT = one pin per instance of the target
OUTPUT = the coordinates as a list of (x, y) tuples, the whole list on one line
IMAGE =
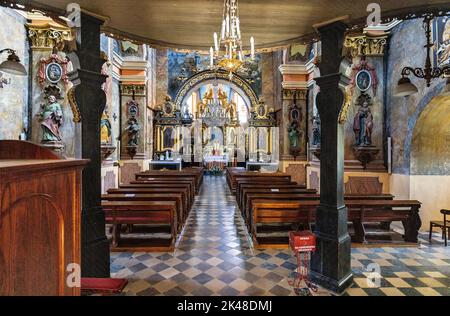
[(216, 121)]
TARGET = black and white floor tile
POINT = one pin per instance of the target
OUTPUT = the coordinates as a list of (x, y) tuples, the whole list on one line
[(214, 256)]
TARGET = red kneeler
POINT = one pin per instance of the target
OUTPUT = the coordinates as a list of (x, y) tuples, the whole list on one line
[(104, 286)]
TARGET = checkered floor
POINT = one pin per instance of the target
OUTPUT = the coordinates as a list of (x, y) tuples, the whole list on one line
[(214, 256)]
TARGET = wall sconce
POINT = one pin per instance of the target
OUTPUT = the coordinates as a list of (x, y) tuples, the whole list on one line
[(4, 81), (12, 65), (404, 86)]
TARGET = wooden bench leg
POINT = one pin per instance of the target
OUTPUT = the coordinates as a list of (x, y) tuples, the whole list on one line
[(412, 226), (431, 232), (360, 232), (116, 235), (446, 235)]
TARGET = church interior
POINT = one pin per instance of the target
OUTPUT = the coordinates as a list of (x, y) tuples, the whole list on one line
[(225, 148)]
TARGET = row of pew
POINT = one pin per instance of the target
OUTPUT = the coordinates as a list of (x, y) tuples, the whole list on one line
[(158, 201), (272, 204)]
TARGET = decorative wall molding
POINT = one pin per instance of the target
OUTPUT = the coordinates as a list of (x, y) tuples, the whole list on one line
[(296, 76)]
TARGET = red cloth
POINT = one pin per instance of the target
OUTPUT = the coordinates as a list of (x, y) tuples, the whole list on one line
[(103, 285)]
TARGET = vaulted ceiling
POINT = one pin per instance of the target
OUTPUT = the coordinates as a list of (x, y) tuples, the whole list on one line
[(191, 23)]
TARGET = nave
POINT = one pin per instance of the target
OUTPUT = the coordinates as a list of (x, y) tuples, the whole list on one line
[(214, 256)]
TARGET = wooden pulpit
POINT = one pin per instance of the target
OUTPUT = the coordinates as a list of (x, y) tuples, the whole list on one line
[(40, 208)]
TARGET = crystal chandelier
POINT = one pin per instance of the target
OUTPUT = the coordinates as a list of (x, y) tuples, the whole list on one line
[(215, 111), (232, 58)]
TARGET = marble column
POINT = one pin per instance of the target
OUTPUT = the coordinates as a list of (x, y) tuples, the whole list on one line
[(330, 264), (91, 100)]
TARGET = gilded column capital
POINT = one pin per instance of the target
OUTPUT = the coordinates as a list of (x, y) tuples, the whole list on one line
[(365, 45), (47, 34)]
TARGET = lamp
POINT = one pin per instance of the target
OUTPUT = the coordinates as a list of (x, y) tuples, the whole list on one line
[(404, 88), (12, 65)]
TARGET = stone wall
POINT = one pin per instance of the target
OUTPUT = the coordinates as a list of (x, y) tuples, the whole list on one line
[(14, 96)]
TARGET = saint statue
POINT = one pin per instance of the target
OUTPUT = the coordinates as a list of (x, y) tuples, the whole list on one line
[(51, 119), (105, 128), (294, 135), (133, 132), (316, 131), (363, 125)]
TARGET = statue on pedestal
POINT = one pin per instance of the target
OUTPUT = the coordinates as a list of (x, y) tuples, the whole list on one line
[(51, 119), (316, 131), (133, 132), (105, 128), (294, 135), (363, 122)]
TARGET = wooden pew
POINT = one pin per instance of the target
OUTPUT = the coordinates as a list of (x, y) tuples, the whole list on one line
[(261, 180), (197, 173), (149, 190), (176, 197), (141, 212), (282, 196), (166, 182), (269, 188), (161, 184), (359, 212), (233, 174), (268, 185)]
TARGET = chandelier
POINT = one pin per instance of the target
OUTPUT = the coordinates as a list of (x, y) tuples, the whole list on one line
[(232, 56), (405, 87), (214, 108)]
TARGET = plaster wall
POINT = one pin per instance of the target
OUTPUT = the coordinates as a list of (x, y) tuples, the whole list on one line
[(14, 96)]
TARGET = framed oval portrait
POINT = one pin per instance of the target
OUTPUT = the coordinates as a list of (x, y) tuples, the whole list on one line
[(53, 72), (363, 80), (295, 114), (168, 108), (262, 110)]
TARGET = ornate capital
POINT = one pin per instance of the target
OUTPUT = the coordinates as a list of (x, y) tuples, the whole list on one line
[(48, 34), (132, 89), (299, 94), (365, 45)]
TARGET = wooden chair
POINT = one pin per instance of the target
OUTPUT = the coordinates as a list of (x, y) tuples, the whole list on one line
[(444, 225)]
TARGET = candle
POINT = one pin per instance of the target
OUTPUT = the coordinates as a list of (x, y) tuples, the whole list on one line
[(228, 25), (216, 43), (238, 27), (240, 55), (222, 33), (211, 57), (252, 47)]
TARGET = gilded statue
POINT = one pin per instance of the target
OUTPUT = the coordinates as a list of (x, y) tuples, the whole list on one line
[(105, 129)]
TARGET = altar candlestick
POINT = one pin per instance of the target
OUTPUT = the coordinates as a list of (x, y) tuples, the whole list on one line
[(211, 57), (222, 33), (216, 43)]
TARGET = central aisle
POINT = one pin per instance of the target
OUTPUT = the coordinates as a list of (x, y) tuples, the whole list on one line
[(214, 255)]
